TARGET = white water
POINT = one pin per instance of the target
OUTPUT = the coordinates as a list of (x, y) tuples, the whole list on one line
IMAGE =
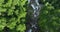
[(36, 8), (30, 30)]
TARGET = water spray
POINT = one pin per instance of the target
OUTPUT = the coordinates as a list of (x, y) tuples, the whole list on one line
[(33, 12)]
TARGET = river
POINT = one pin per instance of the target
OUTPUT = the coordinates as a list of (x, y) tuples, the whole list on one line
[(33, 10)]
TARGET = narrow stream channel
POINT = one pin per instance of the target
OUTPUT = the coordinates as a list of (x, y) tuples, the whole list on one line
[(32, 15)]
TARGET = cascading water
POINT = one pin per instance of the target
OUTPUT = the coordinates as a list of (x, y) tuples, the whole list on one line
[(32, 14)]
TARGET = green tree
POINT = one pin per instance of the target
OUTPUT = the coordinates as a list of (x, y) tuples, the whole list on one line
[(49, 19), (11, 14)]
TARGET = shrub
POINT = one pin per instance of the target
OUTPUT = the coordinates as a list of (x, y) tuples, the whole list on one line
[(49, 19), (12, 15)]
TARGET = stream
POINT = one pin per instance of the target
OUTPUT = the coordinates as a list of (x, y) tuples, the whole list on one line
[(33, 10)]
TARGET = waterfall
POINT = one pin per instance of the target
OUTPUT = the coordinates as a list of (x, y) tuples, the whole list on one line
[(33, 12)]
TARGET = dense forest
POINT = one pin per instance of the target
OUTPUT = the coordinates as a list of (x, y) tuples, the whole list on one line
[(13, 16)]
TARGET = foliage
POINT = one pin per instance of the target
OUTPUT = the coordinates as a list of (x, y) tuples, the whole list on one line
[(12, 12), (49, 19)]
